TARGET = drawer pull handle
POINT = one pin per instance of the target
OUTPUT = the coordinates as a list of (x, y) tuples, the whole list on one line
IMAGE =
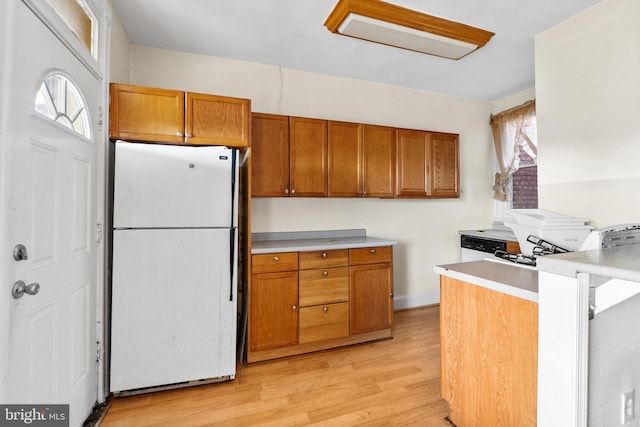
[(373, 251), (276, 259), (324, 255), (325, 309), (294, 308), (325, 273)]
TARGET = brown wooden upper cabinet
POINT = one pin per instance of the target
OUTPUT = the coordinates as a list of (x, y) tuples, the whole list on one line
[(307, 157), (444, 167), (411, 167), (289, 156), (378, 160), (139, 113), (345, 159), (361, 160), (427, 164), (296, 156), (270, 155)]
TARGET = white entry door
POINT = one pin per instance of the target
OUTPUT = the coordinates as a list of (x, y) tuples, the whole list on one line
[(53, 201)]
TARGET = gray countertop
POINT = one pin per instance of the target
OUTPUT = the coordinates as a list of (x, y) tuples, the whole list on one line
[(617, 263), (305, 241), (510, 279)]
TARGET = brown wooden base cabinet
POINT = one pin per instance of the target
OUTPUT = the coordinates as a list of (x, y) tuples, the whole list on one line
[(310, 301), (489, 349)]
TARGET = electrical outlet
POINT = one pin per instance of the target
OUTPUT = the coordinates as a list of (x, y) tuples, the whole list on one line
[(628, 406)]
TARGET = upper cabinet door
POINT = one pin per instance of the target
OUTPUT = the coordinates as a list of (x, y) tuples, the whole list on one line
[(146, 114), (269, 155), (217, 120), (345, 155), (378, 160), (308, 157), (411, 163), (444, 165)]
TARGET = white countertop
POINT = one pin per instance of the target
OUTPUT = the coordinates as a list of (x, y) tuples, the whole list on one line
[(509, 279), (617, 263), (305, 241)]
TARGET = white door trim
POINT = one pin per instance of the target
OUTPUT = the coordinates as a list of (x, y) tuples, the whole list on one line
[(7, 27)]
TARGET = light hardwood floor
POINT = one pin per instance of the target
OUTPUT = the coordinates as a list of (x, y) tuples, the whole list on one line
[(387, 383)]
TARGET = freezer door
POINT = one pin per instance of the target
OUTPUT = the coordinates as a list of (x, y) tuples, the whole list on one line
[(172, 315), (159, 186)]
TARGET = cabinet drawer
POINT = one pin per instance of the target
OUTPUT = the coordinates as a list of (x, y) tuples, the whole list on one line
[(324, 322), (324, 286), (374, 255), (269, 263), (324, 259)]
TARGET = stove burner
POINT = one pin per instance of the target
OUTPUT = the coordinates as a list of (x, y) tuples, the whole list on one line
[(517, 258)]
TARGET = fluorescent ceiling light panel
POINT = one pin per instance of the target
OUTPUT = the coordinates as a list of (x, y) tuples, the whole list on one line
[(384, 23), (390, 34)]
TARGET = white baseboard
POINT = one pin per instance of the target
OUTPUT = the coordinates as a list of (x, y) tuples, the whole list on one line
[(401, 302)]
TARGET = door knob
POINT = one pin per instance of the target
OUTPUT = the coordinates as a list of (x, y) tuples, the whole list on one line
[(19, 289), (20, 252)]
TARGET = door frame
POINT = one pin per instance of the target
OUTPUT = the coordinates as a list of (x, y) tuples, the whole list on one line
[(99, 67)]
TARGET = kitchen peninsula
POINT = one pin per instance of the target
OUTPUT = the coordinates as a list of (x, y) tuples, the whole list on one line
[(317, 290), (489, 342)]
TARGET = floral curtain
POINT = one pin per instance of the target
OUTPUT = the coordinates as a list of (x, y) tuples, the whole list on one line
[(513, 130)]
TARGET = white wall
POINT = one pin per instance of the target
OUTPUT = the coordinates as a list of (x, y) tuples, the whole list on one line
[(513, 100), (426, 230), (588, 110), (614, 344), (120, 62), (587, 93)]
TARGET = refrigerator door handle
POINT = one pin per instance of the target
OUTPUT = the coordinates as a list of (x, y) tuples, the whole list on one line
[(232, 247), (232, 231), (233, 184)]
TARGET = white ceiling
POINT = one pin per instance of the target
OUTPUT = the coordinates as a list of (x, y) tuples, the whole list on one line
[(291, 34)]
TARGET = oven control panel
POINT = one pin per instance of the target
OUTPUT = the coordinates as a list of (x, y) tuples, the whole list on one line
[(482, 245)]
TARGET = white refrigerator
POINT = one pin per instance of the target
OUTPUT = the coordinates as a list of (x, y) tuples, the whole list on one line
[(174, 274)]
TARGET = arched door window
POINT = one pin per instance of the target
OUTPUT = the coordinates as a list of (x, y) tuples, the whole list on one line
[(59, 99)]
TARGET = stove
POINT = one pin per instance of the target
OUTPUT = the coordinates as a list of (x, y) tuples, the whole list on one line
[(608, 237)]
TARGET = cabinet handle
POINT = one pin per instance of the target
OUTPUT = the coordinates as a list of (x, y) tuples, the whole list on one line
[(294, 308), (188, 135), (391, 295), (364, 193), (286, 191), (325, 309), (324, 255), (276, 259), (179, 134), (325, 273), (293, 190), (373, 251)]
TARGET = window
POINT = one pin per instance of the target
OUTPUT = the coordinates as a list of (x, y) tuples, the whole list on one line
[(59, 100), (524, 184), (515, 139), (79, 19)]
